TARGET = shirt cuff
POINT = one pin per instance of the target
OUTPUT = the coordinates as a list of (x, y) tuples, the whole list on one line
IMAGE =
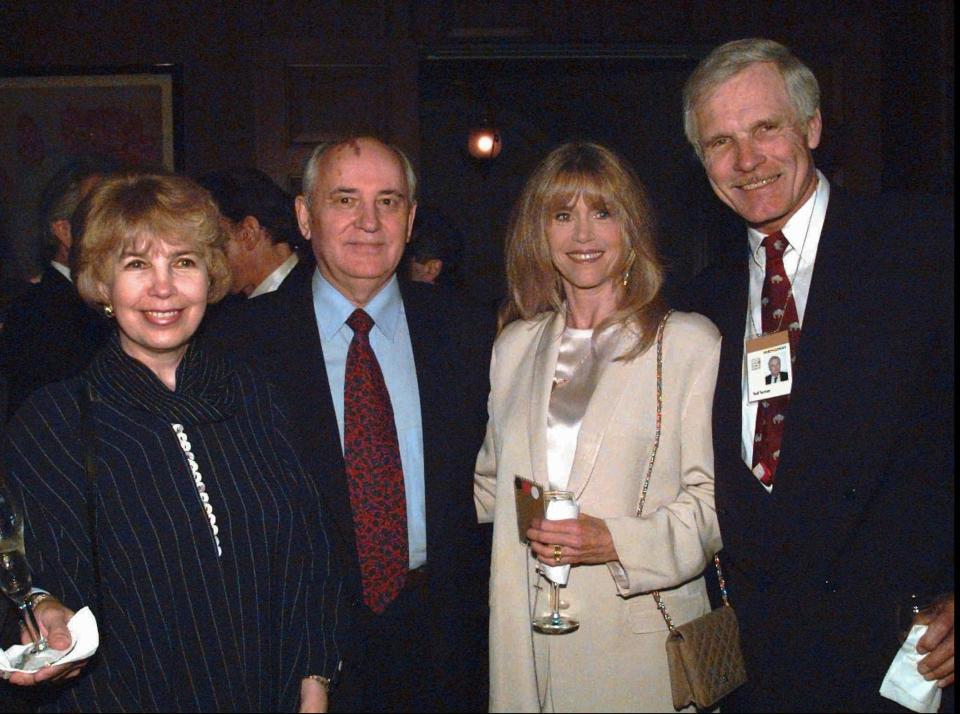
[(619, 574)]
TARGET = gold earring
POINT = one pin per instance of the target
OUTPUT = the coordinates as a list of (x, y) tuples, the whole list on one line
[(630, 262), (108, 311)]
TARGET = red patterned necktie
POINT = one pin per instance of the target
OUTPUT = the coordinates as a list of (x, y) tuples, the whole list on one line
[(778, 312), (374, 471)]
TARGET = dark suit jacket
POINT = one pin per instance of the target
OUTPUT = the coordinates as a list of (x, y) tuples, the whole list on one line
[(49, 335), (784, 376), (277, 333), (861, 513), (230, 301)]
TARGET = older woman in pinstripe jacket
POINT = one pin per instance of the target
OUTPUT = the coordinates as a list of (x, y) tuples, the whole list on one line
[(208, 557)]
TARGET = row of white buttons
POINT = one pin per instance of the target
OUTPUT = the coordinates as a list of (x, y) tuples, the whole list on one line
[(198, 480)]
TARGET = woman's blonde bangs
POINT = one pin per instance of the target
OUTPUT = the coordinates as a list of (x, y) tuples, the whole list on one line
[(570, 185)]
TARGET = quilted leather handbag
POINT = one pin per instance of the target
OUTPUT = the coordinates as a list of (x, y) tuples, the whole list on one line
[(704, 655)]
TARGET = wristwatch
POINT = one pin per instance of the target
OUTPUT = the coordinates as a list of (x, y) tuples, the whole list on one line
[(37, 597)]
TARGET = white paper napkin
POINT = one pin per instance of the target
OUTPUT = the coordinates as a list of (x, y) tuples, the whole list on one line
[(86, 640), (558, 511), (904, 684)]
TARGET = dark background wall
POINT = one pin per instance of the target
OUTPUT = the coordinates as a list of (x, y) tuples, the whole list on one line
[(262, 81)]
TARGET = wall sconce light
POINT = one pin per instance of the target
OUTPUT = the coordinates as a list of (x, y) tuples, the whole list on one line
[(484, 143)]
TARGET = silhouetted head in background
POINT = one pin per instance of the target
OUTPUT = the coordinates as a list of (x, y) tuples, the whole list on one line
[(435, 251)]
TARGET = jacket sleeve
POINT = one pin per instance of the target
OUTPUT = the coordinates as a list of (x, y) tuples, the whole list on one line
[(315, 619), (485, 472), (672, 544)]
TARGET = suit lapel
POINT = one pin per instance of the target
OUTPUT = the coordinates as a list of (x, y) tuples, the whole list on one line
[(431, 360), (729, 313), (823, 351), (435, 355), (604, 404), (313, 416)]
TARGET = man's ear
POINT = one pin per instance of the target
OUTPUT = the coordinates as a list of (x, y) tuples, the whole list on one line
[(413, 214), (303, 216), (61, 229), (814, 126), (250, 233)]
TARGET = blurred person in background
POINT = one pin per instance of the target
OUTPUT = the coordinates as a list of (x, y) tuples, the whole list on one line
[(265, 246), (49, 333)]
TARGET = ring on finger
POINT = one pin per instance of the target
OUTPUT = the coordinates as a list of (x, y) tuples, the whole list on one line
[(557, 553)]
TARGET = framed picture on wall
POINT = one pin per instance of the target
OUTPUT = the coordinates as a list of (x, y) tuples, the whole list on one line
[(50, 115)]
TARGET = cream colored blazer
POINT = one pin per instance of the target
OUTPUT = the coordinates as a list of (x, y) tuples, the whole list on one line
[(616, 661)]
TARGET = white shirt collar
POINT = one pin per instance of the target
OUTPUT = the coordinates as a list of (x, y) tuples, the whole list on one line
[(62, 269), (803, 229), (333, 308), (280, 273)]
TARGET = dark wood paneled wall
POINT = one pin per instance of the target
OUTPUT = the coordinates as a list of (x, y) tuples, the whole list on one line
[(888, 66), (262, 79)]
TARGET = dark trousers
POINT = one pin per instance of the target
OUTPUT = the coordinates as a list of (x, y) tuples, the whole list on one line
[(402, 663)]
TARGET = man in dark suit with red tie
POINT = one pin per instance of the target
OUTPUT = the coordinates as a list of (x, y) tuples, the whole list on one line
[(835, 500), (386, 385)]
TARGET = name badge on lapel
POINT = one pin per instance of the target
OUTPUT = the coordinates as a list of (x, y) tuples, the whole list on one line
[(769, 369)]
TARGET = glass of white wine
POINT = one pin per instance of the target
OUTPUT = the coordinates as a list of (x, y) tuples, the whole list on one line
[(15, 581), (558, 505)]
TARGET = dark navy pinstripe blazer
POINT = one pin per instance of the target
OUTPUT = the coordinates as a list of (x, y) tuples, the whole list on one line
[(182, 629)]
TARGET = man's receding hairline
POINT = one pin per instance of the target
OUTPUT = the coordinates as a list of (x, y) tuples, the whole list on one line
[(355, 144)]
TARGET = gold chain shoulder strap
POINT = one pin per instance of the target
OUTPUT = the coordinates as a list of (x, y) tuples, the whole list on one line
[(646, 481), (656, 435)]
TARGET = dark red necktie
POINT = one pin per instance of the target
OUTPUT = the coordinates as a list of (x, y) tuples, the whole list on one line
[(374, 472), (778, 312)]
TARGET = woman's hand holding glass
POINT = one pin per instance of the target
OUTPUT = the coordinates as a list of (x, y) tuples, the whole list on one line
[(52, 616), (44, 626), (582, 540)]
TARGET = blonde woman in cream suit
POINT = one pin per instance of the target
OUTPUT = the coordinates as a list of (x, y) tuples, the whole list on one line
[(573, 406)]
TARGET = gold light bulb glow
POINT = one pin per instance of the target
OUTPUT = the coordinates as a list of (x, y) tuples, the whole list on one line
[(484, 143)]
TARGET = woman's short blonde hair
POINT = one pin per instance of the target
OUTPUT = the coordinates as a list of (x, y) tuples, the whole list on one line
[(605, 181), (117, 213)]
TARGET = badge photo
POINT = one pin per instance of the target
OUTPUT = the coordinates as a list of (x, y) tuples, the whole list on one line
[(769, 369)]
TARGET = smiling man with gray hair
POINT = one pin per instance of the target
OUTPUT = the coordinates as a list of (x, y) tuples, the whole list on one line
[(386, 386), (836, 499)]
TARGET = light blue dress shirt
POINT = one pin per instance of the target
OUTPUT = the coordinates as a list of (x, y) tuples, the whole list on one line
[(390, 340)]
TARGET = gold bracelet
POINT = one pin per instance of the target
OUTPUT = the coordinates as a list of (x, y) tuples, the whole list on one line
[(35, 598), (324, 681)]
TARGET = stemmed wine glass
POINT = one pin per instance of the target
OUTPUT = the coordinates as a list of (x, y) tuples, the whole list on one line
[(558, 505), (15, 581)]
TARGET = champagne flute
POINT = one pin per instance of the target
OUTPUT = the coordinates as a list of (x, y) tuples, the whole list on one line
[(15, 581), (558, 505)]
